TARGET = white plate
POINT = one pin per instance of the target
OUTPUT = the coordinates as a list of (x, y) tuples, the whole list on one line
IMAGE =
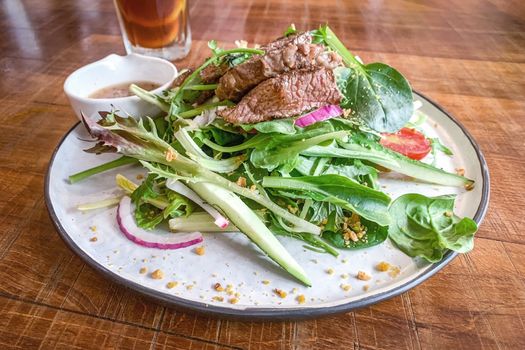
[(230, 258)]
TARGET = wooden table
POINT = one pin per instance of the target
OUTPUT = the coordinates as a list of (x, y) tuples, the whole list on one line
[(467, 55)]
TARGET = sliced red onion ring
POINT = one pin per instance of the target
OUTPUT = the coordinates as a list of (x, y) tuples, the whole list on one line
[(149, 239), (184, 190), (319, 115)]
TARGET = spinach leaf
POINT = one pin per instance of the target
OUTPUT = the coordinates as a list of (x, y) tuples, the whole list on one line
[(375, 234), (338, 190), (376, 93), (426, 227)]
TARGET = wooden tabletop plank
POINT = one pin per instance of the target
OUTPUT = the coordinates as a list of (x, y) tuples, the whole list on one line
[(467, 55)]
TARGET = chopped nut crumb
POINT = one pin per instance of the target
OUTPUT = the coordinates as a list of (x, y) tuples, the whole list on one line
[(199, 250), (157, 274), (363, 276), (301, 299), (170, 154), (344, 276), (291, 209), (93, 228), (294, 290), (140, 177), (218, 298), (366, 287), (330, 271), (460, 171), (172, 284), (253, 188), (217, 286), (281, 293), (237, 294), (383, 266), (394, 271), (93, 239), (189, 287), (346, 287), (233, 301), (241, 181), (265, 282), (143, 270)]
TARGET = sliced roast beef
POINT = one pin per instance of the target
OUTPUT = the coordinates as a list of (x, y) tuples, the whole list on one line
[(282, 55), (286, 95)]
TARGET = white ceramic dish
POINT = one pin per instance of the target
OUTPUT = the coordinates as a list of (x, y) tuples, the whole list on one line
[(230, 258), (113, 70)]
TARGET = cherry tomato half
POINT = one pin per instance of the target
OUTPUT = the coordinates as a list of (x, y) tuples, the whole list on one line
[(408, 142)]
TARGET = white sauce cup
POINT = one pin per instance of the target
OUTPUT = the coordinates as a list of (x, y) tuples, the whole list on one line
[(114, 70)]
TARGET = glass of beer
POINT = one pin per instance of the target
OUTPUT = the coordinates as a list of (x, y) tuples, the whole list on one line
[(159, 28)]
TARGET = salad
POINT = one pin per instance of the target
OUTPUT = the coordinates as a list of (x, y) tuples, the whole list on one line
[(286, 139)]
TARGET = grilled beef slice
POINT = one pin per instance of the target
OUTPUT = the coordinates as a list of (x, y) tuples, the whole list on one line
[(286, 95), (282, 55)]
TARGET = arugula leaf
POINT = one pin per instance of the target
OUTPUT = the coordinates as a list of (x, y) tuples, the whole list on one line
[(376, 93), (281, 126), (426, 227), (283, 150), (338, 190)]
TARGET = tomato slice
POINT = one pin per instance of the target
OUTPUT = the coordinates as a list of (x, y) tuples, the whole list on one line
[(408, 142)]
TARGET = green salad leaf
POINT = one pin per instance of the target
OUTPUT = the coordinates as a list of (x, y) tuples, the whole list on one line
[(338, 190), (376, 93), (280, 126), (427, 227), (375, 234)]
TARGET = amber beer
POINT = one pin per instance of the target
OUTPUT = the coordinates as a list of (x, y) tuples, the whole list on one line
[(155, 27)]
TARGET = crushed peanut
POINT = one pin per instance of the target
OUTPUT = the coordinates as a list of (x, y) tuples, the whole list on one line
[(383, 266), (140, 177), (291, 209), (217, 286), (460, 171), (330, 271), (93, 239), (253, 188), (172, 284), (170, 154), (281, 293), (366, 287), (363, 276), (394, 271), (199, 250), (217, 298), (301, 299), (344, 276), (157, 274), (241, 181), (233, 301), (346, 287), (265, 282), (189, 287), (143, 270), (93, 228)]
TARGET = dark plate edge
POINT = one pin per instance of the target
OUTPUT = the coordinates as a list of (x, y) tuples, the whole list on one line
[(273, 313)]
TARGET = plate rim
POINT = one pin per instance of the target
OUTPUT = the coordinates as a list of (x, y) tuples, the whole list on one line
[(291, 313)]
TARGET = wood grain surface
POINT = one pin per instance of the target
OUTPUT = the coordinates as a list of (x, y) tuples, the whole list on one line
[(467, 55)]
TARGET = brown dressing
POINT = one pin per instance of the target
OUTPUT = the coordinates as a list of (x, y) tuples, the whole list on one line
[(122, 90)]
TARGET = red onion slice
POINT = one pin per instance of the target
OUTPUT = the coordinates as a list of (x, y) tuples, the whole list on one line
[(319, 115), (149, 239)]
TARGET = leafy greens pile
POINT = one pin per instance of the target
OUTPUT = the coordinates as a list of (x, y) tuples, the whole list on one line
[(318, 184)]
